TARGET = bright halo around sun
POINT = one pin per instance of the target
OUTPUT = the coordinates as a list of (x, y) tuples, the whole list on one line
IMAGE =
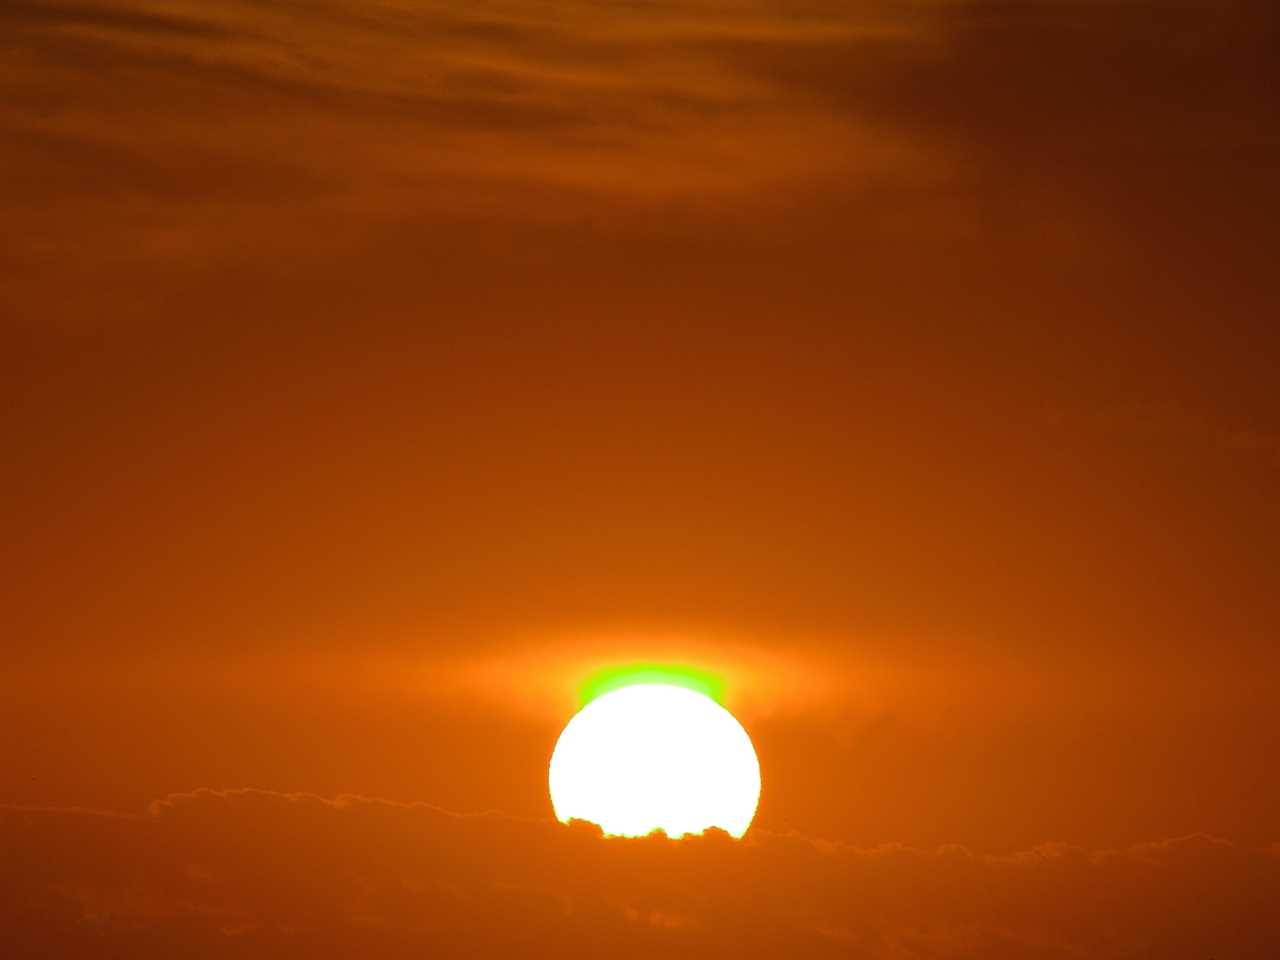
[(655, 756)]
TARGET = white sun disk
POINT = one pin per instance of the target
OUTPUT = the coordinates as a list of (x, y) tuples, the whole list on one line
[(655, 756)]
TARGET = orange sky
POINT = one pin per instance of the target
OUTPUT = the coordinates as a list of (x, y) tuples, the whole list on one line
[(370, 372)]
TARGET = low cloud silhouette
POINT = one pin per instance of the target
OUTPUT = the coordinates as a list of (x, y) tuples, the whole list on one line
[(255, 873)]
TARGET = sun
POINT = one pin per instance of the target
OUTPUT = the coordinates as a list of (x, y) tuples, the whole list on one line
[(655, 756)]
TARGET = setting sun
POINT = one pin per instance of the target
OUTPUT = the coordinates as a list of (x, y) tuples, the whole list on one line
[(655, 756)]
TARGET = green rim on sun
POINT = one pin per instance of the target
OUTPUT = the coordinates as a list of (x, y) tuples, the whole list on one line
[(615, 678)]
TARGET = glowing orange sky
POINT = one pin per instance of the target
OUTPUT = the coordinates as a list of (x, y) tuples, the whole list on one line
[(372, 373)]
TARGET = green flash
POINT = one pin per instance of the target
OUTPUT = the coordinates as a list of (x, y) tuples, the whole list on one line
[(615, 678)]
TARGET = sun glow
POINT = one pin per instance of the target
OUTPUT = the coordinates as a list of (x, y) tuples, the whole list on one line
[(655, 756)]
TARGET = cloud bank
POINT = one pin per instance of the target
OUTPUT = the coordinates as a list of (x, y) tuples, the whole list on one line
[(253, 873)]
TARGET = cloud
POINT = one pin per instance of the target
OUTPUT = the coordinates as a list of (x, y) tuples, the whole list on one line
[(35, 14), (625, 102), (1069, 123), (255, 873)]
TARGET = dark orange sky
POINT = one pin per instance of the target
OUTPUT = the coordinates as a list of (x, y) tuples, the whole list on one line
[(373, 372)]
